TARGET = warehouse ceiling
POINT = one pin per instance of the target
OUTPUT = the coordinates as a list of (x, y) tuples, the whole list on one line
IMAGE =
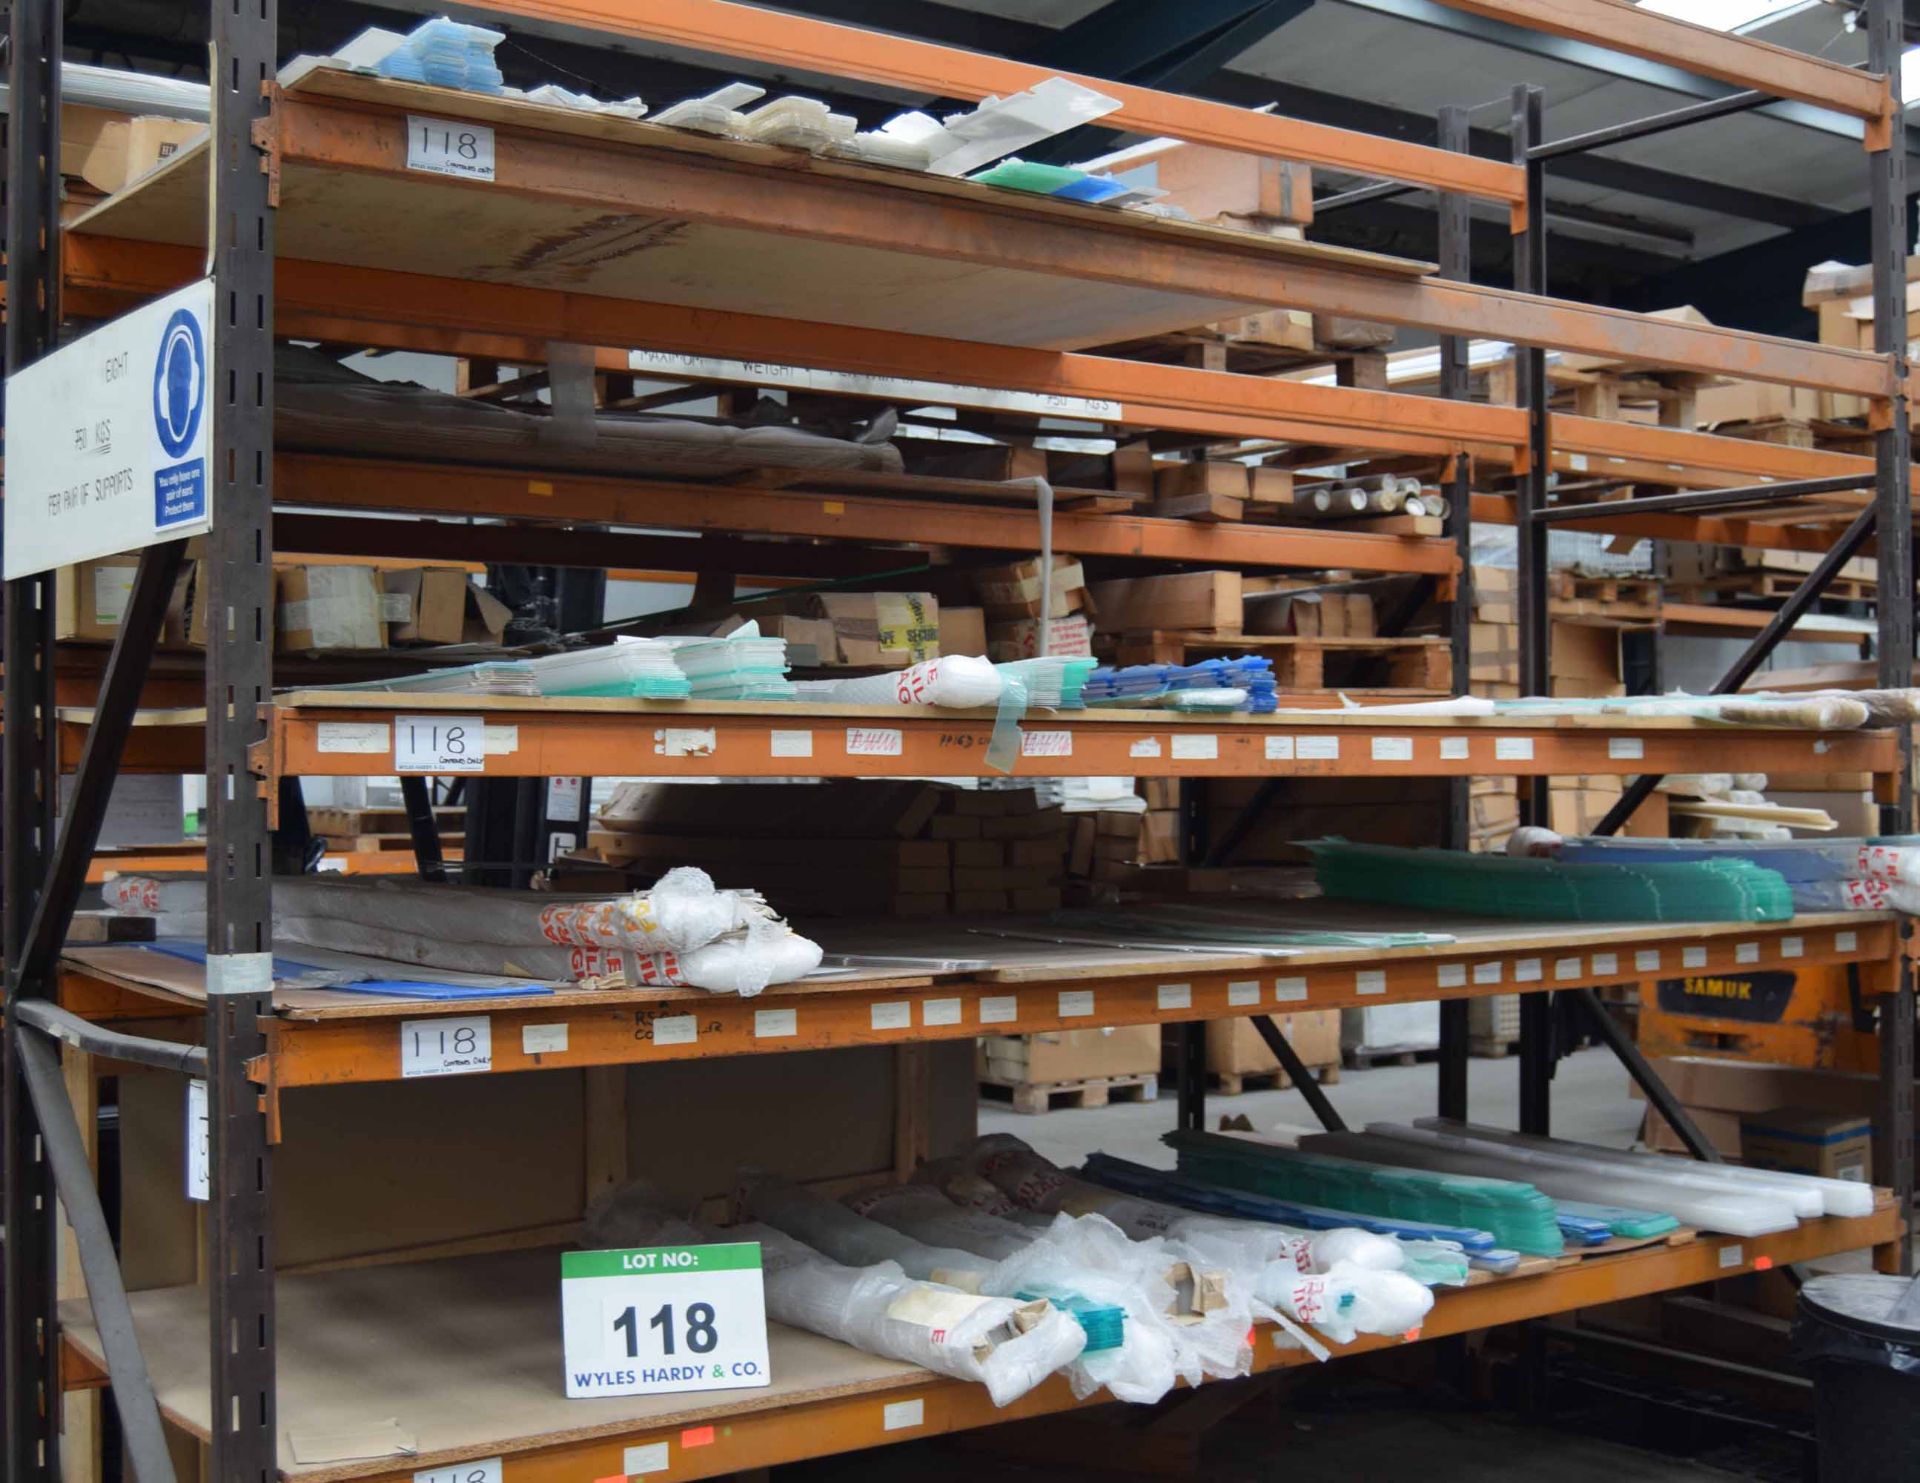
[(1726, 214)]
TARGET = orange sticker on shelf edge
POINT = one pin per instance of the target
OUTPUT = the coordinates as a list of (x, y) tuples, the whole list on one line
[(696, 1436)]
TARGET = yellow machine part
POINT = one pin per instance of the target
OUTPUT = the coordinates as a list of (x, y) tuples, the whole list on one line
[(1799, 1017)]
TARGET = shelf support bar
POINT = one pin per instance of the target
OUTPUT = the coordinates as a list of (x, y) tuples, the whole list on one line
[(1190, 1073), (239, 566), (417, 793), (1763, 643), (29, 1429), (1659, 1095), (1296, 1069), (1456, 263), (73, 1177), (1537, 1041)]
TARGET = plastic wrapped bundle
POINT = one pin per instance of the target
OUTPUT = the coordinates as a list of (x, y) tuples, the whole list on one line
[(178, 907), (924, 1213), (1434, 1254), (1358, 1289), (1517, 1214), (1005, 1344), (741, 666), (1712, 1208), (1054, 681), (494, 677), (1821, 874), (448, 54), (680, 932), (626, 667), (1716, 890), (831, 1228)]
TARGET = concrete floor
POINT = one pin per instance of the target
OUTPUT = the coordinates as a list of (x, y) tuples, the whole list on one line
[(1590, 1104)]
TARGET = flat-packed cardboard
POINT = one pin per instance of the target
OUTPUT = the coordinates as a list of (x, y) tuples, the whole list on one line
[(90, 597), (1235, 1048), (1585, 661), (1070, 1055), (329, 607), (487, 617), (1832, 1145), (1211, 600), (435, 604), (811, 642), (963, 630)]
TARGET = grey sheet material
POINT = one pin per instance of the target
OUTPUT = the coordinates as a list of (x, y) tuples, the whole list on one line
[(321, 407)]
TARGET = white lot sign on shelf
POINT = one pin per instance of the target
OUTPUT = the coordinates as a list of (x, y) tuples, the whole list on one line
[(107, 438), (664, 1319)]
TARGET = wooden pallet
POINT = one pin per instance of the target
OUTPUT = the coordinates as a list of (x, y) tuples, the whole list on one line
[(1233, 1083), (1633, 591), (1770, 586), (1098, 1091), (350, 821), (1419, 664), (1362, 1059)]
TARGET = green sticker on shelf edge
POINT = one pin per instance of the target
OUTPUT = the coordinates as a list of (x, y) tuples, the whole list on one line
[(657, 1320)]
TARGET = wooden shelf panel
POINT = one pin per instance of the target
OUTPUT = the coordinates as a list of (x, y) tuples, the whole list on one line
[(328, 1037), (465, 1355), (629, 210)]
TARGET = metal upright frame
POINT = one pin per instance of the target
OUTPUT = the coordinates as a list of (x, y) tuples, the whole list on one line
[(44, 1153)]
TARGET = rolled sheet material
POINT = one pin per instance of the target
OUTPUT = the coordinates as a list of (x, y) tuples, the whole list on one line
[(1709, 1207), (1005, 1344), (1842, 1197)]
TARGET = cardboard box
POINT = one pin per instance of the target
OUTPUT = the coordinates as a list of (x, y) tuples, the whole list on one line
[(109, 150), (880, 630), (329, 607), (90, 598), (1218, 185), (963, 630), (1070, 1055), (811, 642), (1181, 600), (1014, 590), (427, 604), (1020, 638), (1234, 1047), (1718, 1094), (1133, 467), (1269, 486), (1831, 1145)]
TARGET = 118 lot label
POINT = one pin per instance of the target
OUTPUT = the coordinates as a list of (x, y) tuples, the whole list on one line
[(664, 1319)]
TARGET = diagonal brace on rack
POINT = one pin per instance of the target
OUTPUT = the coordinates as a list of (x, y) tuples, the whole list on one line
[(100, 760), (1303, 1081), (73, 1178)]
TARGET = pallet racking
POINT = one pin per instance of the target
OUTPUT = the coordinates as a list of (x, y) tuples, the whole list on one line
[(318, 230)]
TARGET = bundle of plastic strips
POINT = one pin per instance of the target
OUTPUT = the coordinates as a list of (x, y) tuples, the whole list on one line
[(446, 53), (1358, 1291), (1842, 1197), (1006, 1344), (1168, 684), (1710, 1206), (1436, 1256), (740, 666), (1716, 890), (1822, 874), (681, 932), (1517, 1214), (1181, 1323), (640, 667)]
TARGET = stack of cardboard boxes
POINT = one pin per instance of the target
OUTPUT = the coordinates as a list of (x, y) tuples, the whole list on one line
[(319, 607), (1012, 599), (855, 848)]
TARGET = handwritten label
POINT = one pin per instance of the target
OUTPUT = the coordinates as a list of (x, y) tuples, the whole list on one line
[(1370, 981), (1693, 957), (1174, 996), (368, 738), (1146, 746), (1626, 748), (676, 1029), (1279, 748), (895, 1014), (1604, 963), (1487, 973), (999, 1009), (940, 1012), (1243, 993), (1451, 975), (454, 1045), (1564, 968), (873, 741), (1075, 1003), (902, 1415), (790, 743), (1318, 748), (1746, 952), (1393, 749), (1455, 749), (1046, 744), (1289, 990), (1527, 971), (686, 741), (1792, 947), (542, 1040), (1202, 748), (1513, 748), (1646, 960)]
